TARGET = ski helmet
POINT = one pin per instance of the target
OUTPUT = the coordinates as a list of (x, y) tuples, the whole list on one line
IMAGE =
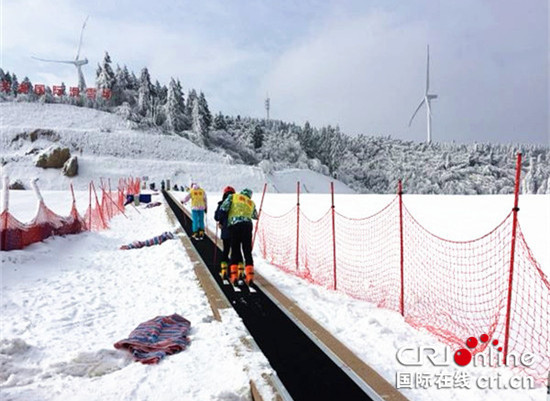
[(247, 192), (229, 189)]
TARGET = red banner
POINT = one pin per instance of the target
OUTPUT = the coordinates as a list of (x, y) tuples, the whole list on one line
[(106, 93), (39, 89), (23, 88), (90, 93), (5, 86), (74, 91), (58, 90)]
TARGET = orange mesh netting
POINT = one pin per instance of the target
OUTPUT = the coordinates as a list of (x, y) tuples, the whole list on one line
[(454, 289), (17, 235)]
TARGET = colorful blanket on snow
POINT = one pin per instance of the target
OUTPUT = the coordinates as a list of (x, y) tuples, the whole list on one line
[(154, 339), (159, 239), (153, 204)]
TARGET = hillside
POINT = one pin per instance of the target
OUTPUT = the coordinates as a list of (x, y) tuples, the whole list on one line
[(107, 145)]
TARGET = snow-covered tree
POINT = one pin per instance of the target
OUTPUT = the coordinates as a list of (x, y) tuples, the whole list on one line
[(219, 122), (175, 107), (258, 137), (122, 78), (144, 105), (14, 85), (105, 75), (330, 147), (160, 91), (205, 111), (191, 97), (199, 127)]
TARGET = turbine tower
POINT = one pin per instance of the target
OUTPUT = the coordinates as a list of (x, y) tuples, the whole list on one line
[(426, 99), (77, 62)]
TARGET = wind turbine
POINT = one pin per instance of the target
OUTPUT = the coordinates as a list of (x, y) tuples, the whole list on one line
[(426, 99), (77, 62)]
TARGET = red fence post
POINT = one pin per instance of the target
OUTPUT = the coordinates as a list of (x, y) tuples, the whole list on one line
[(99, 208), (402, 298), (297, 224), (513, 251), (259, 214), (110, 193), (333, 233)]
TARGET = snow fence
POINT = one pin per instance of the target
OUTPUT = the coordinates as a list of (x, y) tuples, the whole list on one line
[(17, 235), (453, 289)]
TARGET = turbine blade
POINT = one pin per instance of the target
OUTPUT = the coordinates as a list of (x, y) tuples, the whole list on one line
[(428, 71), (81, 34), (53, 61), (416, 111)]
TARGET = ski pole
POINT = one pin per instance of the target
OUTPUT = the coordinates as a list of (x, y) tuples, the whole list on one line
[(215, 244)]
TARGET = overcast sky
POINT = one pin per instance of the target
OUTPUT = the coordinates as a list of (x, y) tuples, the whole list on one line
[(359, 64)]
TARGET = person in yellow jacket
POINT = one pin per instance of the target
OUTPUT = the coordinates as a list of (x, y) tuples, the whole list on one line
[(198, 209), (240, 210)]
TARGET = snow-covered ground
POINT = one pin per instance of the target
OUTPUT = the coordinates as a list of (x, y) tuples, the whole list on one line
[(67, 300), (110, 147)]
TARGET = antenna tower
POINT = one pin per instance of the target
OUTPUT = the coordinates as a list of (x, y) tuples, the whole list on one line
[(267, 105)]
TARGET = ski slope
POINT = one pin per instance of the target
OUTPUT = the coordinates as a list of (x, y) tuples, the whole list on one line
[(86, 285), (65, 301)]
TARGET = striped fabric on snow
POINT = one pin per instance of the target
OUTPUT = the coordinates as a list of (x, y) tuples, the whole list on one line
[(154, 339)]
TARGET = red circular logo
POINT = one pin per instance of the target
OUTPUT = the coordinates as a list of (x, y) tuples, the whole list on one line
[(463, 357), (471, 342)]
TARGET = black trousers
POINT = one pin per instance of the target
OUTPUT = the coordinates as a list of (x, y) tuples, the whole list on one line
[(241, 238), (226, 249)]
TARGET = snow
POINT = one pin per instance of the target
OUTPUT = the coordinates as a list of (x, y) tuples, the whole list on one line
[(65, 301), (310, 182), (110, 147)]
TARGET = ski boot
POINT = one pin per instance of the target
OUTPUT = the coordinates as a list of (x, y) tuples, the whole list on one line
[(233, 274), (201, 234), (249, 274), (240, 272), (195, 235), (223, 270)]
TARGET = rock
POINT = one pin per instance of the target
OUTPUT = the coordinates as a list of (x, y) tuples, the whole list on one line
[(17, 185), (70, 168), (37, 133), (53, 157)]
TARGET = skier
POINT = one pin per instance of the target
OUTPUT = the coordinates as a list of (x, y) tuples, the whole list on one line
[(198, 209), (221, 217), (241, 210)]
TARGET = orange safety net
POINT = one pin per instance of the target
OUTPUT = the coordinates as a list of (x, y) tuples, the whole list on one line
[(17, 235), (453, 289)]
